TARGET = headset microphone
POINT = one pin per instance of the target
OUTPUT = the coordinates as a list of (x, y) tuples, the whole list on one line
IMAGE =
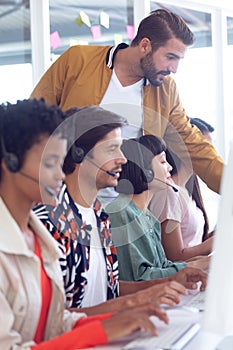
[(111, 173), (48, 189), (166, 183)]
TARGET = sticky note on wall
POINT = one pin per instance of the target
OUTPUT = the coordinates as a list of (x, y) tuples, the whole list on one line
[(96, 33), (55, 40)]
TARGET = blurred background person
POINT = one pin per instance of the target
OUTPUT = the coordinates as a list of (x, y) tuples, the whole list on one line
[(182, 215)]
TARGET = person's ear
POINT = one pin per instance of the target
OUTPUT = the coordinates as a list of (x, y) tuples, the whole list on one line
[(145, 46)]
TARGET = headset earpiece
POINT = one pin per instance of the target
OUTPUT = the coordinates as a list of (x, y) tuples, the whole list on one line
[(149, 175), (11, 159), (78, 153), (12, 162)]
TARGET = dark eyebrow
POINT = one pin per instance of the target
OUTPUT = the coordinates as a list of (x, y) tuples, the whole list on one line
[(51, 156), (174, 55), (113, 145)]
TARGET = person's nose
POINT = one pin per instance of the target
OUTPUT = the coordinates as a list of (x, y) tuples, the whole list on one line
[(121, 159), (60, 175), (169, 167), (173, 66)]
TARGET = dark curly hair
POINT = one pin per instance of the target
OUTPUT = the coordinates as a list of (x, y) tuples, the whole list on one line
[(23, 123)]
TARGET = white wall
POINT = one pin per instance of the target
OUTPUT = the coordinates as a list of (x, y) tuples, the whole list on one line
[(16, 82)]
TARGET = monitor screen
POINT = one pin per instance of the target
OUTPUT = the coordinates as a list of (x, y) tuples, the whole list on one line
[(218, 316)]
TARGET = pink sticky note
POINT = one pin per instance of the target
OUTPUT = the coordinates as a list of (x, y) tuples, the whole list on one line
[(96, 33), (130, 31), (55, 40)]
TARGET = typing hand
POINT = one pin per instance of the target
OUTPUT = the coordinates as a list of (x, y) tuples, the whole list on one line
[(201, 262), (163, 293), (132, 319), (189, 276)]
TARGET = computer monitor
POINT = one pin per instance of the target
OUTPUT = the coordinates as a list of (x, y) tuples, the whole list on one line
[(218, 317)]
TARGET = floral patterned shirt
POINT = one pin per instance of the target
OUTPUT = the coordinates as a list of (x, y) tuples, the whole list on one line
[(65, 224)]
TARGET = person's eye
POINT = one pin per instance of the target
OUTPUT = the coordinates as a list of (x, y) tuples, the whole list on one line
[(112, 149), (48, 165), (171, 58)]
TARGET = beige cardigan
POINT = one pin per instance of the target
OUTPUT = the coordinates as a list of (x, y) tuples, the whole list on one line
[(20, 293)]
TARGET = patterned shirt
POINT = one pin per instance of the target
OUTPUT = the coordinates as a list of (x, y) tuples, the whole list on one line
[(65, 224)]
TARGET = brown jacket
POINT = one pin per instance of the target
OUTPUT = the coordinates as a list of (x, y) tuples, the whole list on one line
[(80, 77)]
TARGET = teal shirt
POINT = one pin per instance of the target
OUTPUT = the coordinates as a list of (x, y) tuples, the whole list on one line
[(137, 238)]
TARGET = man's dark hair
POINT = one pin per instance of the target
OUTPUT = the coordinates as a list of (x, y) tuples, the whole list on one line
[(162, 25), (139, 154), (91, 125), (22, 124)]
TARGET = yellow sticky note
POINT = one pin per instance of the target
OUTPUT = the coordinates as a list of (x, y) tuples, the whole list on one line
[(118, 38), (73, 42), (79, 21)]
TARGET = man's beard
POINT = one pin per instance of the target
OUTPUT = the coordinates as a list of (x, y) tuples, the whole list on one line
[(149, 70)]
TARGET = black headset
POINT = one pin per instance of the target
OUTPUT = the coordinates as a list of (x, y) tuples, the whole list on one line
[(78, 153), (11, 159), (148, 174)]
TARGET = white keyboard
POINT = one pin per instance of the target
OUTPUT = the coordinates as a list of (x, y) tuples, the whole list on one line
[(172, 337), (197, 301)]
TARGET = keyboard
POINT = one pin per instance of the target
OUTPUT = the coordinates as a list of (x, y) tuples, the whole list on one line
[(171, 337), (197, 301)]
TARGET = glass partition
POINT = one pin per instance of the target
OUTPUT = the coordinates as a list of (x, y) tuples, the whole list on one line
[(15, 50), (89, 23)]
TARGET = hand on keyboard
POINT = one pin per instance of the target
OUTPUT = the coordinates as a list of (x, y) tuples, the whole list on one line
[(173, 337), (125, 322), (190, 276)]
